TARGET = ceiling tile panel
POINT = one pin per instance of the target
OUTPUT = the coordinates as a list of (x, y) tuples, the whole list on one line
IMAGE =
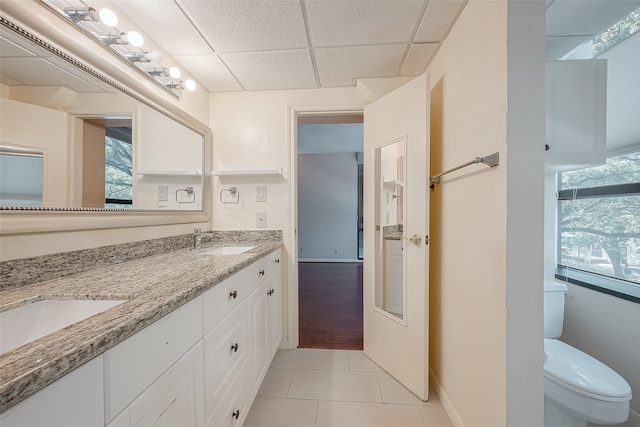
[(165, 24), (346, 23), (419, 56), (340, 66), (210, 71), (439, 18), (251, 25), (272, 70)]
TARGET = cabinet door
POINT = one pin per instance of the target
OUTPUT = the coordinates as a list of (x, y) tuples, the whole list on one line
[(76, 399), (174, 399), (235, 401), (259, 305), (576, 113), (225, 347), (274, 297)]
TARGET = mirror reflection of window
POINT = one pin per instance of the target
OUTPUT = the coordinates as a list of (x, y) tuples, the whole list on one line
[(118, 177), (21, 177)]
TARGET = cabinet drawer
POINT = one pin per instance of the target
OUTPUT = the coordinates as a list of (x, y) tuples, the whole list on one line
[(224, 297), (174, 399), (132, 365), (225, 348), (234, 401), (263, 268)]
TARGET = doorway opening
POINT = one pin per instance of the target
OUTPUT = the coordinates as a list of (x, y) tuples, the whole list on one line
[(330, 238)]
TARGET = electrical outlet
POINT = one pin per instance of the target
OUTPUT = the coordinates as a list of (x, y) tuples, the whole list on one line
[(261, 193), (335, 252), (163, 193), (261, 220)]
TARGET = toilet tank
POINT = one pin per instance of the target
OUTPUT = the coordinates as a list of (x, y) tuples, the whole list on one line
[(553, 308)]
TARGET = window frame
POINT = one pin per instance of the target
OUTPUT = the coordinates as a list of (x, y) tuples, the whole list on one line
[(620, 288)]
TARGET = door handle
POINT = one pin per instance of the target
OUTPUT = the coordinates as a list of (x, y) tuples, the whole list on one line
[(415, 239)]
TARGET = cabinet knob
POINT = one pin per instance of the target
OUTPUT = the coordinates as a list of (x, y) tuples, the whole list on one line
[(236, 414), (235, 348), (261, 272), (270, 292), (234, 294), (278, 261)]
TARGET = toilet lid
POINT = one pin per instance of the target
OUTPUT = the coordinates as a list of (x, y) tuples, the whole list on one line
[(584, 374)]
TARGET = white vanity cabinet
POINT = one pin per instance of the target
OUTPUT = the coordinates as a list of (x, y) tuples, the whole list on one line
[(75, 400), (393, 276), (200, 365), (155, 375), (266, 316), (576, 113), (239, 349)]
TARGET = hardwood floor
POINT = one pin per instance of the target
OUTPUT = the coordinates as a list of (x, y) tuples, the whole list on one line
[(330, 305)]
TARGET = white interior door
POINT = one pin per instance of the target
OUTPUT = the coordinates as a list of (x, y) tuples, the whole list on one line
[(398, 342)]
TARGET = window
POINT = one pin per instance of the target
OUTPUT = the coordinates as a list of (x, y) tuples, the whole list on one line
[(118, 182), (599, 226)]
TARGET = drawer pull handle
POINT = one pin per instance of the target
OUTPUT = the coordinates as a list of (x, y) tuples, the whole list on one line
[(234, 294), (270, 292), (236, 414), (277, 260), (261, 272), (235, 348)]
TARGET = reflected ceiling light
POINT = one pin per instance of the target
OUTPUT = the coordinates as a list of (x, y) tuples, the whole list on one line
[(153, 56), (173, 72)]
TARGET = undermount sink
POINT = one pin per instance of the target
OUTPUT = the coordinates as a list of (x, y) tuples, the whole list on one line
[(34, 320), (224, 250)]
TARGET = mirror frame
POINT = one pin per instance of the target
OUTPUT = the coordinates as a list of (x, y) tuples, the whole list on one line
[(83, 52)]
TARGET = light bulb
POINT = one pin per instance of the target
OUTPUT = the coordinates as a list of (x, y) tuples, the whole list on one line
[(190, 84), (108, 17), (175, 72), (153, 56), (135, 39)]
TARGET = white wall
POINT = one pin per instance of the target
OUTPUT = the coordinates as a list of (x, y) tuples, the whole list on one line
[(327, 207), (29, 126), (257, 130)]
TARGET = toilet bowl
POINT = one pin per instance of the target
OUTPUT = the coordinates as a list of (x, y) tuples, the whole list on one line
[(578, 389)]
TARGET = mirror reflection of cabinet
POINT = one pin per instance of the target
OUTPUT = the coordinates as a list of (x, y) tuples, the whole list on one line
[(389, 200)]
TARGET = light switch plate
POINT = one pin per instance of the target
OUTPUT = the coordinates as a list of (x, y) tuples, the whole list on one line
[(261, 220), (163, 193), (261, 193)]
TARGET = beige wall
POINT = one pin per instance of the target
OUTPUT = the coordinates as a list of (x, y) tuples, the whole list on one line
[(486, 310), (468, 222)]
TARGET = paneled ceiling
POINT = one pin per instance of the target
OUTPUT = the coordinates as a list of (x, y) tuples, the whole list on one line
[(231, 45)]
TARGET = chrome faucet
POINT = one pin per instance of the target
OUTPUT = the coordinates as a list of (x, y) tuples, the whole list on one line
[(198, 234)]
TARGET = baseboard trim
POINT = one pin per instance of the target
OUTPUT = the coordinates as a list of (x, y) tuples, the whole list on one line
[(634, 418), (327, 260), (446, 402)]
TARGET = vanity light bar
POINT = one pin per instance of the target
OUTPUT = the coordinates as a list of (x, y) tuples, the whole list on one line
[(100, 24)]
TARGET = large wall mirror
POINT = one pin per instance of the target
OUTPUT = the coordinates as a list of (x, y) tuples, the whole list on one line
[(75, 140), (389, 202)]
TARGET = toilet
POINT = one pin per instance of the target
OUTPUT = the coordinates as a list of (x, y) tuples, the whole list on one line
[(578, 389)]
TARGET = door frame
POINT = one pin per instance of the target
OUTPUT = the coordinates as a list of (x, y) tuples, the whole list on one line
[(292, 333)]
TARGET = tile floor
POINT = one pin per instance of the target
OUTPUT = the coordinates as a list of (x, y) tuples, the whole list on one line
[(337, 388)]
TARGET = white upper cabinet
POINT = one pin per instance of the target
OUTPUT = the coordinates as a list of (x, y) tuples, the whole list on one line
[(576, 113)]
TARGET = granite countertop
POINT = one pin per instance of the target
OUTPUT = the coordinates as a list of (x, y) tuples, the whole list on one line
[(153, 286)]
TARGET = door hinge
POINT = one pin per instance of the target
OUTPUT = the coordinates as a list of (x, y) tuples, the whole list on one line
[(426, 239)]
